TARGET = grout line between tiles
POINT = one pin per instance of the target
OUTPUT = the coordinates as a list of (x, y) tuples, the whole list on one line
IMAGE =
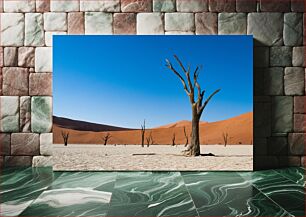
[(268, 197), (190, 195), (289, 179)]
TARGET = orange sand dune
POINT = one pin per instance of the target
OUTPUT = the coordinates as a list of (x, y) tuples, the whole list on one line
[(239, 129)]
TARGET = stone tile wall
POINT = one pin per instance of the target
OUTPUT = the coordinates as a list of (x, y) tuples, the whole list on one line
[(27, 27)]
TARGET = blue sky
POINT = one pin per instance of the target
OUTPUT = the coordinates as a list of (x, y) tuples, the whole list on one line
[(121, 80)]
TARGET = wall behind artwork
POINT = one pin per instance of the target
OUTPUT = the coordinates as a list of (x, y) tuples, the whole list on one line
[(26, 31)]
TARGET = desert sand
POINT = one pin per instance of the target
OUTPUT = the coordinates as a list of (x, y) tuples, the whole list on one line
[(239, 129), (158, 157)]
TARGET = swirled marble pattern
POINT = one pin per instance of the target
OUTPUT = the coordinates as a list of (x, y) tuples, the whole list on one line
[(39, 192)]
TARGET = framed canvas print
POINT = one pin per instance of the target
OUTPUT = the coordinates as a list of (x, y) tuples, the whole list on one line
[(153, 102)]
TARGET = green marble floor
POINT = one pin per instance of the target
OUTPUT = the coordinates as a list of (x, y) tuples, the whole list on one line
[(41, 192)]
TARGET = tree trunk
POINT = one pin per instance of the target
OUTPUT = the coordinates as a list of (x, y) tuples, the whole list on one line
[(194, 149), (66, 142)]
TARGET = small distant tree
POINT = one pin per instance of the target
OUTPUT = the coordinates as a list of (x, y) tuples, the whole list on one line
[(106, 138), (143, 131), (65, 136), (173, 139), (186, 137), (225, 138), (149, 139)]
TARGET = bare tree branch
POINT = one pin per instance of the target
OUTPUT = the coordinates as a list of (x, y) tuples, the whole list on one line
[(207, 100), (169, 65)]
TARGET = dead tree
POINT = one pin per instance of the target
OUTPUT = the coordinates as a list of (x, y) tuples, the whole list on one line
[(152, 140), (143, 131), (186, 137), (173, 139), (197, 105), (106, 138), (65, 137), (225, 138), (149, 139)]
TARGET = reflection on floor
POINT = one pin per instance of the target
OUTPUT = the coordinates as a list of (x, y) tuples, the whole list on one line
[(39, 192)]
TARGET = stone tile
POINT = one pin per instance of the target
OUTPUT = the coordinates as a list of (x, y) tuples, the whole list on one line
[(289, 161), (271, 6), (34, 29), (265, 162), (46, 142), (76, 23), (15, 81), (5, 144), (232, 23), (267, 28), (25, 114), (258, 77), (298, 56), (303, 161), (260, 147), (299, 124), (299, 104), (246, 5), (25, 144), (206, 23), (43, 59), (274, 81), (49, 37), (179, 22), (124, 23), (293, 29), (98, 23), (280, 56), (278, 146), (282, 114), (304, 29), (150, 24), (136, 5), (65, 6), (179, 33), (42, 161), (296, 143), (100, 5), (9, 114), (12, 29), (40, 84), (1, 56), (262, 120), (163, 5), (18, 161), (26, 56), (297, 5), (41, 114), (10, 56), (42, 5), (1, 157), (55, 21), (222, 5), (192, 5), (294, 81), (19, 6), (261, 57), (1, 81)]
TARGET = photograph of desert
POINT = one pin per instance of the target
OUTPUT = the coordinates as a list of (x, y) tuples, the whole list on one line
[(156, 113)]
